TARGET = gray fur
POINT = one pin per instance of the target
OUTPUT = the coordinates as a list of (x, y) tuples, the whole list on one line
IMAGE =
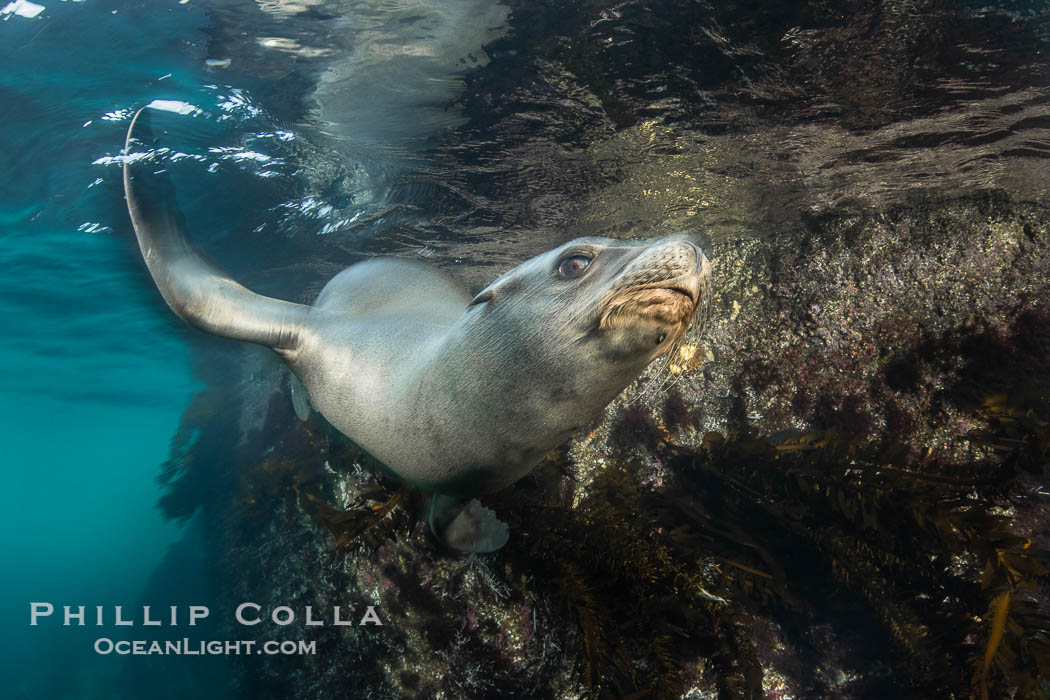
[(457, 396)]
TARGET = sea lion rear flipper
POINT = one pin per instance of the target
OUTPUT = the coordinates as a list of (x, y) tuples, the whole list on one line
[(465, 525), (196, 290)]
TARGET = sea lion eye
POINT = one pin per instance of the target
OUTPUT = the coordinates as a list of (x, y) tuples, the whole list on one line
[(574, 266)]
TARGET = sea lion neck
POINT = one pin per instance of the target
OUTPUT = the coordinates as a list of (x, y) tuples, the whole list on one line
[(526, 369)]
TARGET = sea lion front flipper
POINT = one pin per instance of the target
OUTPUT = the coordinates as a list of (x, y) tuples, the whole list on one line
[(300, 398), (465, 525)]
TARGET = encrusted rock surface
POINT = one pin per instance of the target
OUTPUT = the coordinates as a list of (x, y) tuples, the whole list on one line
[(663, 550)]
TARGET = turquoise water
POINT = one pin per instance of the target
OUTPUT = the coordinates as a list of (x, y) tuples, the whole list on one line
[(94, 373)]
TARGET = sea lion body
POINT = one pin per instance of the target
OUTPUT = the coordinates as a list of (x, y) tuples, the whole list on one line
[(460, 396), (372, 334)]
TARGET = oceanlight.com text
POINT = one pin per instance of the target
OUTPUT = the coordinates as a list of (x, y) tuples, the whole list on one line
[(188, 647)]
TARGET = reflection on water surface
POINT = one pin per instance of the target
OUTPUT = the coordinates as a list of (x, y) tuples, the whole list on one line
[(636, 118)]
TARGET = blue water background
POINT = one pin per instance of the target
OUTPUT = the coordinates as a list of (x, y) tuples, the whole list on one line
[(95, 372)]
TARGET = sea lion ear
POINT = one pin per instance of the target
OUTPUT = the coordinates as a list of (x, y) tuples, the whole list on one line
[(485, 295), (498, 288)]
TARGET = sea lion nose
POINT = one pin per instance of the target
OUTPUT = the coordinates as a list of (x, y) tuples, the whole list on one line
[(681, 252), (696, 241)]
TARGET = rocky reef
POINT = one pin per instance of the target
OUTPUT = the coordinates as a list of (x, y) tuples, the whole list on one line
[(844, 497)]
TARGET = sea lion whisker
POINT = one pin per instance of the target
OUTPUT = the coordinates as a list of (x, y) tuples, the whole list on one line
[(645, 390), (639, 395), (674, 382)]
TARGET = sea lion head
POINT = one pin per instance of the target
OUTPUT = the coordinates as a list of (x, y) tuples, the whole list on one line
[(543, 349), (568, 330), (622, 302)]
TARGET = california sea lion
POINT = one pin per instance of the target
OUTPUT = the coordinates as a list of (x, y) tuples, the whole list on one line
[(458, 395)]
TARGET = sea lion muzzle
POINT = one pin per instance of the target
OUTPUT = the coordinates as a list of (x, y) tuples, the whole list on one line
[(664, 285)]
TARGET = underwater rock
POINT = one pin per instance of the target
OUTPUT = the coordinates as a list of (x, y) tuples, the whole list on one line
[(709, 554)]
